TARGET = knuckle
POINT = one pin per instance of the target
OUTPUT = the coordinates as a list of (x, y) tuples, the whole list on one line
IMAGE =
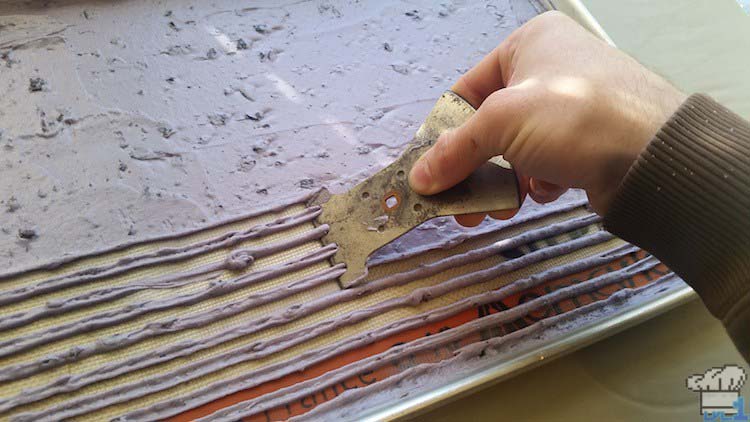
[(472, 94), (494, 103), (546, 21), (503, 107), (550, 17), (441, 156), (491, 118)]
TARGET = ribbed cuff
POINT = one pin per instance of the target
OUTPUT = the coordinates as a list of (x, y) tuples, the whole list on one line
[(687, 201)]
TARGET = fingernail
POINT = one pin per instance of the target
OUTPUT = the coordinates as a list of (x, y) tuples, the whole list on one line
[(420, 178)]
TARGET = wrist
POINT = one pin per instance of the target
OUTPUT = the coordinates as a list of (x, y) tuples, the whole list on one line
[(638, 132)]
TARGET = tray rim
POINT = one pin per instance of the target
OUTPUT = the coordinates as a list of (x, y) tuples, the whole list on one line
[(530, 358)]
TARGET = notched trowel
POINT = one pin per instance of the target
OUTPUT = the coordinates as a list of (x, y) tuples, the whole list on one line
[(383, 207)]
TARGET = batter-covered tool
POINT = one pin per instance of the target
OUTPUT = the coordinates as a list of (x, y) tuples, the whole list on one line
[(383, 207)]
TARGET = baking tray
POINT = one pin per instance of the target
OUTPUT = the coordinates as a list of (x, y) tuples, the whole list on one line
[(509, 365)]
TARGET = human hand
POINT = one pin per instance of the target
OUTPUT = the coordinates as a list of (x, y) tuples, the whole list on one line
[(563, 107)]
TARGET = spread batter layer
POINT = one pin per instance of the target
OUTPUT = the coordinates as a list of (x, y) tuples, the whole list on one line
[(244, 318)]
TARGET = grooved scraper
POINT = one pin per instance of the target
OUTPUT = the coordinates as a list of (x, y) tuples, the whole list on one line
[(383, 207)]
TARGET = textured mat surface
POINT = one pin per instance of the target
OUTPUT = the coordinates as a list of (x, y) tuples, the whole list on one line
[(245, 318)]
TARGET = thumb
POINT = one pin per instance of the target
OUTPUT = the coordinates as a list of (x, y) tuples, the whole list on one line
[(458, 152)]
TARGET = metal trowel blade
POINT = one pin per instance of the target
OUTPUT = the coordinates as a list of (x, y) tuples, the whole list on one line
[(383, 207)]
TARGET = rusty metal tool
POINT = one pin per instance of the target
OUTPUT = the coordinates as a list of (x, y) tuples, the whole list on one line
[(383, 207)]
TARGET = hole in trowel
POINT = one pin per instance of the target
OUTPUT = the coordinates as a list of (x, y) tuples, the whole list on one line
[(365, 195), (417, 207), (400, 174), (391, 202)]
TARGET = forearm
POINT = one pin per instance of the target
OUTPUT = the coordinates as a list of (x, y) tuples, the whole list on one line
[(687, 201)]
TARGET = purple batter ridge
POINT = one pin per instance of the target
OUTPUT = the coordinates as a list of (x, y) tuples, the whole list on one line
[(302, 389), (236, 260), (117, 341), (186, 348), (444, 233), (159, 257), (275, 207), (478, 349), (264, 348), (112, 317), (225, 240)]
